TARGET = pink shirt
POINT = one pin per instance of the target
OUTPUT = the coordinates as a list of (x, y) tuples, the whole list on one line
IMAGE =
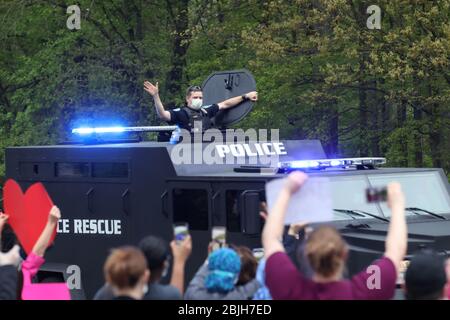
[(40, 291), (285, 282)]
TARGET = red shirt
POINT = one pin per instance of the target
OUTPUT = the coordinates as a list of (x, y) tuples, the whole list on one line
[(285, 282)]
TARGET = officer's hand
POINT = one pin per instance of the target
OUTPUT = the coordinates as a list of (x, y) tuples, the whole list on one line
[(150, 88), (253, 95)]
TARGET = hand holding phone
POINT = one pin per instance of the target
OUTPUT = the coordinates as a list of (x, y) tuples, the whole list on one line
[(218, 237), (376, 194), (181, 231), (258, 253)]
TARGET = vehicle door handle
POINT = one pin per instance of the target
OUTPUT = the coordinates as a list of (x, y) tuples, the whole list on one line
[(90, 195), (163, 203), (126, 202), (216, 213)]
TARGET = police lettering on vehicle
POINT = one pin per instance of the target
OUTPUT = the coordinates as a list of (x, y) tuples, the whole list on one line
[(251, 150)]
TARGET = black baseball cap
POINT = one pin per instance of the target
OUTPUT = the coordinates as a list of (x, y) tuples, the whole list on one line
[(425, 277), (156, 250)]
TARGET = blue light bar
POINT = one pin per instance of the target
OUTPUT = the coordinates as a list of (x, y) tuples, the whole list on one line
[(299, 164), (335, 163), (98, 130), (330, 163), (86, 131)]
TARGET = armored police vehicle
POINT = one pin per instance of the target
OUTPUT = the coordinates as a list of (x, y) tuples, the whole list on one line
[(111, 194)]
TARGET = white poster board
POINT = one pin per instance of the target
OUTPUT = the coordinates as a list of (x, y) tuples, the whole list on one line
[(312, 203)]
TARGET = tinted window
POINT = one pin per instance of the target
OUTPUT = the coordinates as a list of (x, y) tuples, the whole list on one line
[(110, 170), (191, 206), (424, 190), (349, 193), (72, 169), (232, 207)]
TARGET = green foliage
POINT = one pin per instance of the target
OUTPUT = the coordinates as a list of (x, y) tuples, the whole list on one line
[(321, 73)]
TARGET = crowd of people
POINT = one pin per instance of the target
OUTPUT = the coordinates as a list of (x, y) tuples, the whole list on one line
[(299, 263)]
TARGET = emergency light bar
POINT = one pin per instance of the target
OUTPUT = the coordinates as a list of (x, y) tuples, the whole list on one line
[(329, 163), (86, 131)]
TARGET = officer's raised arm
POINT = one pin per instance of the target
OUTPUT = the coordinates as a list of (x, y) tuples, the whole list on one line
[(229, 103), (153, 90)]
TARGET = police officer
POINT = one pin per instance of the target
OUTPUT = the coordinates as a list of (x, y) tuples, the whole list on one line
[(194, 112)]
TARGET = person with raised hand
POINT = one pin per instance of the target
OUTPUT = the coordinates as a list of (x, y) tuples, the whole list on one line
[(327, 254), (35, 259), (194, 109), (157, 254)]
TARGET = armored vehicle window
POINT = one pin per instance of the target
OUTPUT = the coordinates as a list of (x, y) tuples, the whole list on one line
[(109, 169), (191, 206), (72, 169), (349, 193), (424, 190), (232, 209)]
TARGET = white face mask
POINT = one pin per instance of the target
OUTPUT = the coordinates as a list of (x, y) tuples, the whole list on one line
[(197, 104), (165, 271), (145, 289)]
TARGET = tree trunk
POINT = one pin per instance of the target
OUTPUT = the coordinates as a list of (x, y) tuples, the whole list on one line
[(178, 12), (435, 133), (418, 153), (374, 134), (363, 149), (331, 146), (401, 119)]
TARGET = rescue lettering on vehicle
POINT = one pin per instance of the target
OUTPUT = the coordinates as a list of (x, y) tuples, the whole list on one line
[(90, 226)]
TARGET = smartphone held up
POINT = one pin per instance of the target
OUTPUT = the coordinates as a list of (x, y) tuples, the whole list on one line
[(376, 194), (181, 231), (258, 253), (219, 235)]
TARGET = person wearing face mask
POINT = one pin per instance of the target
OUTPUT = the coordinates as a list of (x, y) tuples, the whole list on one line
[(194, 112), (157, 253)]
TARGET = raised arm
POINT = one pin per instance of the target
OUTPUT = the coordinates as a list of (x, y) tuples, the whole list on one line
[(3, 220), (153, 90), (397, 237), (181, 253), (42, 243), (253, 96), (272, 234)]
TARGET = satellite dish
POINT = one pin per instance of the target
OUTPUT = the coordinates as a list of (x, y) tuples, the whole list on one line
[(220, 86)]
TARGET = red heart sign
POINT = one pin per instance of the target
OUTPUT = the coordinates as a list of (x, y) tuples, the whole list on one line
[(28, 213)]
